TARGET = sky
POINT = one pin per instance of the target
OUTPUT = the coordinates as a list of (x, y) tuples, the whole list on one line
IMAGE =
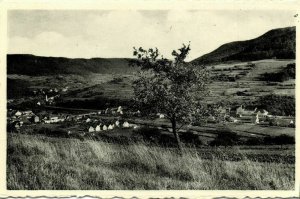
[(114, 33)]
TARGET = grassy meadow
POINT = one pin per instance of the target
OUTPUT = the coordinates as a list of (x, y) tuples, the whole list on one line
[(36, 162)]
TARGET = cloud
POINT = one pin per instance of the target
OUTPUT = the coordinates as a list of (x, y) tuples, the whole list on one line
[(114, 33)]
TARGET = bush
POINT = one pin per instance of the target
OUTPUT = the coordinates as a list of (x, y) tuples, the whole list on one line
[(53, 132), (190, 138), (154, 135), (285, 74), (226, 138), (149, 134), (277, 105), (279, 140), (254, 141)]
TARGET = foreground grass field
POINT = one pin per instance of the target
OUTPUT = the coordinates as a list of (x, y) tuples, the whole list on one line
[(37, 162)]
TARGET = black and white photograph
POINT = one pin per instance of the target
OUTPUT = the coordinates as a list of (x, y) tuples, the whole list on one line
[(151, 99)]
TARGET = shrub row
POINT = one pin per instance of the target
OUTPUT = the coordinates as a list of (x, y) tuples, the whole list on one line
[(155, 136)]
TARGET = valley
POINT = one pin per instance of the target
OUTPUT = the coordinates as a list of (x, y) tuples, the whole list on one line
[(80, 116)]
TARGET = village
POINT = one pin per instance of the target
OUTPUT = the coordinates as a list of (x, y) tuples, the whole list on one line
[(101, 121)]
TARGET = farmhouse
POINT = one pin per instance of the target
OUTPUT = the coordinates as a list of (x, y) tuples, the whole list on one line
[(261, 113), (18, 113), (64, 89), (91, 129), (137, 113), (54, 119), (255, 119), (232, 119), (78, 117), (126, 125), (240, 111), (35, 119), (27, 113), (120, 110), (98, 128), (110, 127), (87, 120), (160, 115), (104, 128), (211, 119)]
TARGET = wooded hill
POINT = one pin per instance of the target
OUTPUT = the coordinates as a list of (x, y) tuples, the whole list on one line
[(37, 65), (277, 43)]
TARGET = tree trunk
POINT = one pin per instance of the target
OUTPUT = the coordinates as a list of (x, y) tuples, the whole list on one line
[(176, 135)]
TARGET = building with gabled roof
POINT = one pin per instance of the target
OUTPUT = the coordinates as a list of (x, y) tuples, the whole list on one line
[(98, 128), (126, 124), (91, 129), (104, 127)]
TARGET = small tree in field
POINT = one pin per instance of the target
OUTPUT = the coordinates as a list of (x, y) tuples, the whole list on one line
[(172, 87)]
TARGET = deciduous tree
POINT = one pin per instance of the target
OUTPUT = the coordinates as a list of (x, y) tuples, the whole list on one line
[(172, 87)]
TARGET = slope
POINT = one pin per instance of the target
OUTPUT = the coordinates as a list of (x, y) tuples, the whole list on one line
[(37, 65), (277, 43)]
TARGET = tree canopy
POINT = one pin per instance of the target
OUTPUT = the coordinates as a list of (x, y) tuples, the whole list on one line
[(172, 87)]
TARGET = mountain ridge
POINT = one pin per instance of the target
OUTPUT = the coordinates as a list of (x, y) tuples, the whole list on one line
[(279, 43), (28, 64)]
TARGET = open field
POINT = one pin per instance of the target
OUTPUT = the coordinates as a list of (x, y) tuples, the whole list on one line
[(39, 162), (118, 86)]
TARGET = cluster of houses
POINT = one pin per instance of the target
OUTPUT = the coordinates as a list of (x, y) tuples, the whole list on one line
[(52, 91), (117, 124), (263, 116), (49, 95), (255, 116), (17, 119), (112, 111)]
